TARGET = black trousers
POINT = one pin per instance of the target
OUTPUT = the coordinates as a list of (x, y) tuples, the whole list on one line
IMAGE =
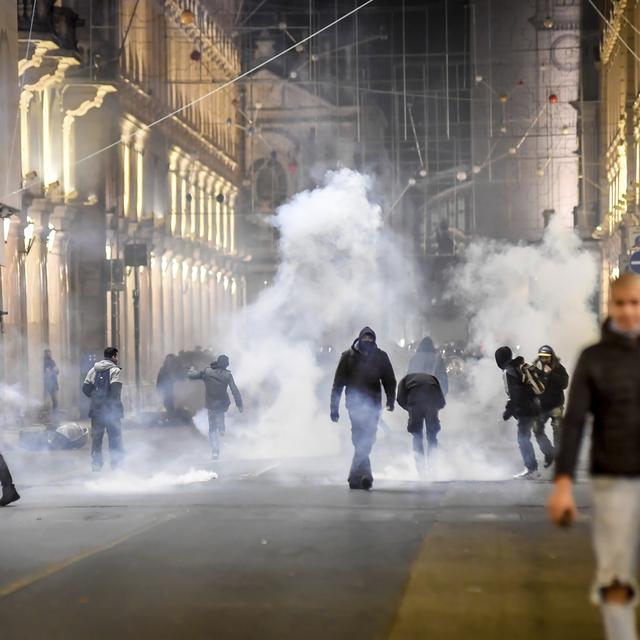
[(364, 425), (5, 476), (527, 426), (423, 418), (114, 432)]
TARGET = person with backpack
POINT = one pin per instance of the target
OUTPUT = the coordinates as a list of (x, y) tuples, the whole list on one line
[(524, 385), (363, 370), (556, 380), (217, 379), (103, 387)]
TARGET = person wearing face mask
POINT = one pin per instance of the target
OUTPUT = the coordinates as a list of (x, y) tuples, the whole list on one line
[(606, 385), (364, 370), (556, 380)]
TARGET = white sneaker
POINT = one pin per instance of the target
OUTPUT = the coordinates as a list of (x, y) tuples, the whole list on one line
[(527, 474)]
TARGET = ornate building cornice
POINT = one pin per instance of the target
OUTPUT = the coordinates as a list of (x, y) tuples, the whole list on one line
[(612, 30)]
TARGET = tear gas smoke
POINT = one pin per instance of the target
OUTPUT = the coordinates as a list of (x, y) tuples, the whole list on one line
[(523, 297), (127, 482), (339, 271)]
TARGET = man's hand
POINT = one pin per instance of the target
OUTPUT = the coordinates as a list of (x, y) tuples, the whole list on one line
[(390, 406), (561, 506), (335, 416)]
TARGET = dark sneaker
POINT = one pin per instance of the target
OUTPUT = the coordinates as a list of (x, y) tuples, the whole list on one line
[(366, 483), (548, 461), (9, 495), (528, 474)]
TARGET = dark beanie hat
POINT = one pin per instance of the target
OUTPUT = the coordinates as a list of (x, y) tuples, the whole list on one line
[(504, 355)]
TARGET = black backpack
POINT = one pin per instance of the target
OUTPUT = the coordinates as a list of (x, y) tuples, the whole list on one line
[(101, 387)]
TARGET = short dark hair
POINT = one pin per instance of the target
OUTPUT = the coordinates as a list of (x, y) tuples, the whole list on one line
[(110, 352)]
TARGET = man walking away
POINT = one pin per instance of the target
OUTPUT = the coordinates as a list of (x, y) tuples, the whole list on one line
[(524, 406), (427, 360), (103, 386), (363, 370), (420, 394), (217, 379), (556, 380), (606, 384), (9, 493), (50, 382)]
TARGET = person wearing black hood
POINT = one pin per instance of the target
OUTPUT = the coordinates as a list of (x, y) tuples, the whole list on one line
[(217, 379), (9, 493), (363, 371), (524, 406), (556, 380)]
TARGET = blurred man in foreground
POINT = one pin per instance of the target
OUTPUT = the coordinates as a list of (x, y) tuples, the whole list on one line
[(606, 384), (363, 370)]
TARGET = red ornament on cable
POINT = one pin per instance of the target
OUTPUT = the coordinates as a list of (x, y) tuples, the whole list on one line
[(553, 99), (195, 55), (293, 168)]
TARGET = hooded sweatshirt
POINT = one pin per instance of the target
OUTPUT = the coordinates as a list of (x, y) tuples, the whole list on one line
[(217, 379), (428, 360), (111, 405), (523, 402), (363, 371)]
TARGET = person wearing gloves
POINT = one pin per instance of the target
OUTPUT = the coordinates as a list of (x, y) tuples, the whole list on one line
[(363, 371), (217, 379)]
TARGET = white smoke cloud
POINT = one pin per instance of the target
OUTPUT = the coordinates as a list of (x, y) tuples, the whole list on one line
[(523, 297), (339, 271), (127, 482)]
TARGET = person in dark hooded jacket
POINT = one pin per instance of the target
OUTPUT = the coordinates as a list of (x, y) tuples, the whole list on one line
[(524, 406), (421, 395), (363, 371), (217, 379), (556, 380)]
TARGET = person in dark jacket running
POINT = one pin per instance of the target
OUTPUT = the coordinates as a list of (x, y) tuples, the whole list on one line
[(421, 395), (606, 385), (103, 386), (556, 380), (9, 493), (428, 360), (524, 406), (363, 370), (217, 379)]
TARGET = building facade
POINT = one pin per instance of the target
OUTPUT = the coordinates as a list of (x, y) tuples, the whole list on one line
[(620, 139), (127, 231), (526, 62)]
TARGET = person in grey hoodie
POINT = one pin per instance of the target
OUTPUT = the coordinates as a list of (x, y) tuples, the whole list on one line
[(104, 388), (217, 379)]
